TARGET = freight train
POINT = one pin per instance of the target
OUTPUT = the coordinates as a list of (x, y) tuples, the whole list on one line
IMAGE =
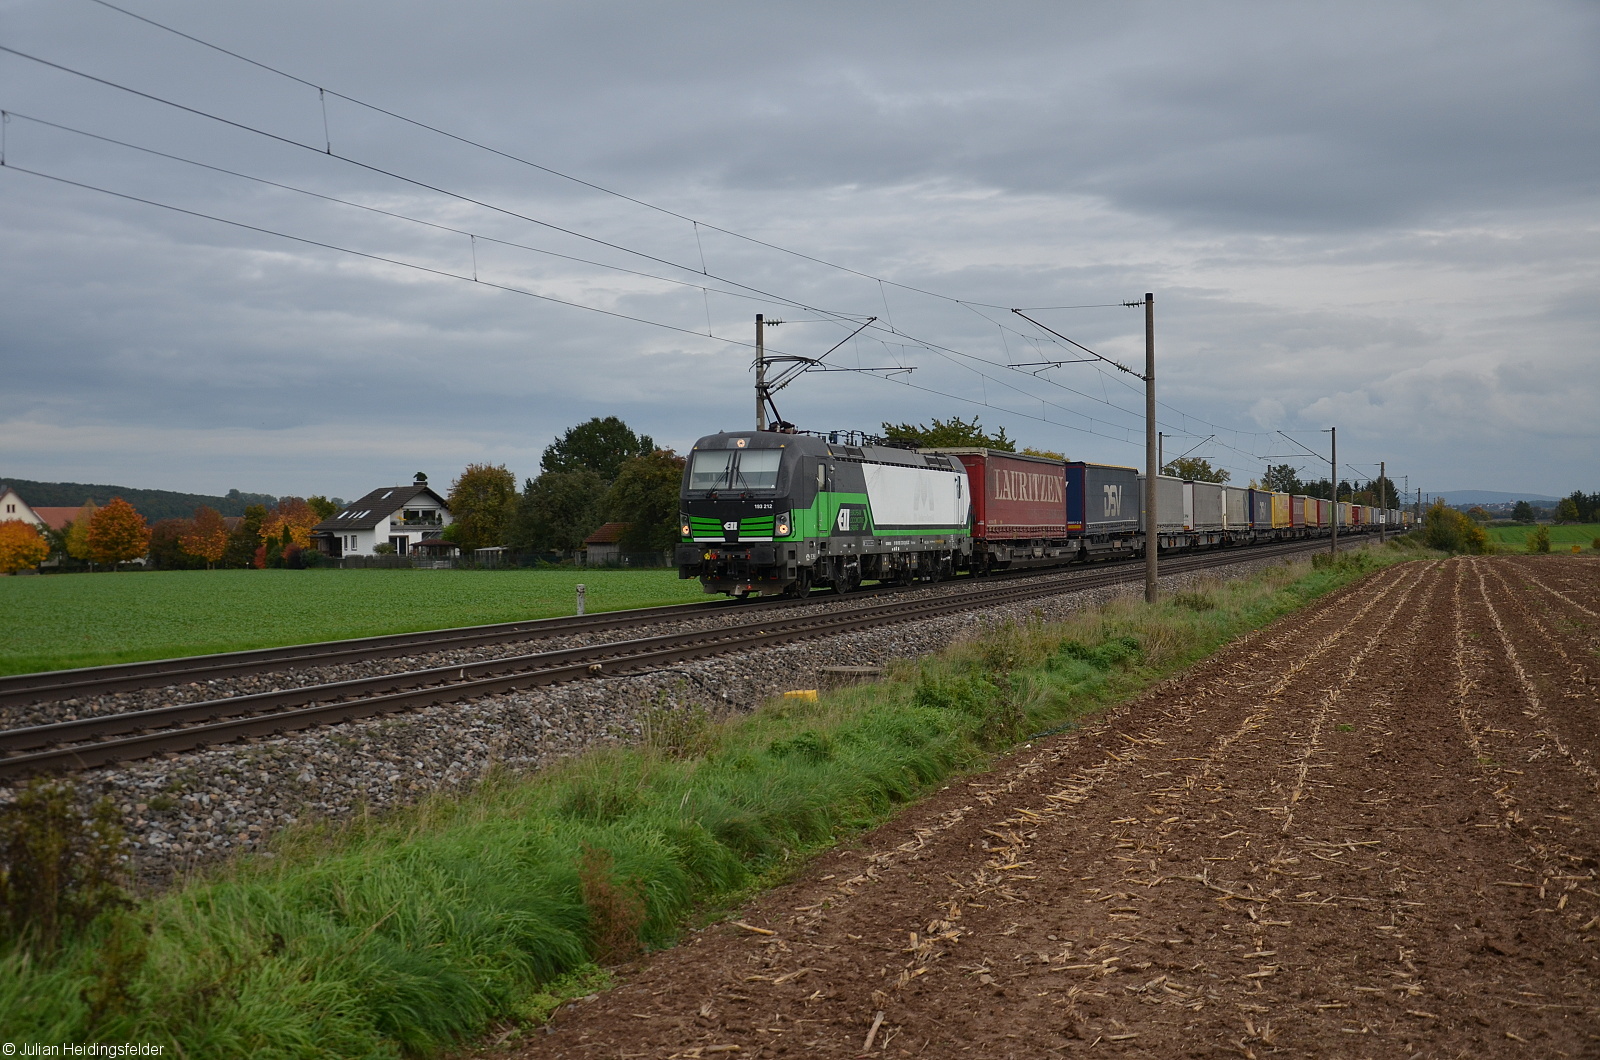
[(765, 513)]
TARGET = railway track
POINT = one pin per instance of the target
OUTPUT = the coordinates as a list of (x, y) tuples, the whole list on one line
[(129, 677), (106, 739)]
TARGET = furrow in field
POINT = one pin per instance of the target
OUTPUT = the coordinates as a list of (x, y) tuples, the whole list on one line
[(1537, 793), (1561, 686), (1305, 846)]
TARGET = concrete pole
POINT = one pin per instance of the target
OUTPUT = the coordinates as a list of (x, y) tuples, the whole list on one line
[(1152, 520), (761, 372), (1333, 482), (1383, 500)]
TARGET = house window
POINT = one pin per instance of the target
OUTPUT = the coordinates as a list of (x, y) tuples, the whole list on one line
[(10, 508)]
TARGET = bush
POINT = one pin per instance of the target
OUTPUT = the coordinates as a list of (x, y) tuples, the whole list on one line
[(1448, 530), (384, 549), (1539, 540), (60, 868)]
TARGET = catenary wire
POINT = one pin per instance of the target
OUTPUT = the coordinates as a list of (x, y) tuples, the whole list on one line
[(697, 223), (447, 274)]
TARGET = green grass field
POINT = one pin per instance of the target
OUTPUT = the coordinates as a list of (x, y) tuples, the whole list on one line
[(58, 621), (1562, 538)]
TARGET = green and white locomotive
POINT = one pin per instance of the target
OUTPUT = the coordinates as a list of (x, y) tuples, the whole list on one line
[(768, 514)]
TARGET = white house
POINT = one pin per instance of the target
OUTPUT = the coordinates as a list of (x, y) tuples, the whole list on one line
[(402, 516), (14, 507)]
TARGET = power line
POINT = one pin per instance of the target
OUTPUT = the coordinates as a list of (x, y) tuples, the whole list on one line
[(290, 141), (540, 166), (439, 190), (695, 222), (404, 217), (446, 274)]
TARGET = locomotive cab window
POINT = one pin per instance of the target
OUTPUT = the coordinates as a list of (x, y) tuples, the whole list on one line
[(727, 469)]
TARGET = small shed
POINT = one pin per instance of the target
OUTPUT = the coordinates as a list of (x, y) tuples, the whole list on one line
[(604, 546)]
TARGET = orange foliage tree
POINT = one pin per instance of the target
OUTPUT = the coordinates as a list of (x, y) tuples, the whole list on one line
[(117, 533), (295, 515), (21, 547), (206, 537)]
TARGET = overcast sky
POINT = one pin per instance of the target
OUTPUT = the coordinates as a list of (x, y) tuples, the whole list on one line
[(1377, 216)]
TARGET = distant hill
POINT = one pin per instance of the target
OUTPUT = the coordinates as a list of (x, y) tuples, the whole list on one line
[(1455, 497), (152, 504)]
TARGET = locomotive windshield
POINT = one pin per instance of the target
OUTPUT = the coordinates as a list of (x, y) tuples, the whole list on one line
[(734, 469)]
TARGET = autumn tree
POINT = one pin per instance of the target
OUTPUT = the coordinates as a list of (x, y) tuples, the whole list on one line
[(557, 511), (1049, 454), (600, 445), (206, 537), (21, 547), (77, 533), (117, 533), (645, 496), (954, 433), (1195, 469), (290, 523), (482, 501)]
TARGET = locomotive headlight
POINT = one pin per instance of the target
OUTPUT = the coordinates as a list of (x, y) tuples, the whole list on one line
[(683, 524), (782, 525)]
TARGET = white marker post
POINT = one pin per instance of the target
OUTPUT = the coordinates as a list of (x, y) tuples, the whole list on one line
[(581, 590)]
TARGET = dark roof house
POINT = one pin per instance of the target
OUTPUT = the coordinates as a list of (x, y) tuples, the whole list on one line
[(402, 516)]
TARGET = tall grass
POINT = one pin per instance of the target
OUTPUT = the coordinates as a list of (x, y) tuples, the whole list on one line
[(401, 936)]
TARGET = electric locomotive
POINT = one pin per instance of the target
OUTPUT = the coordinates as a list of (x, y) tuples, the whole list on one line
[(765, 513)]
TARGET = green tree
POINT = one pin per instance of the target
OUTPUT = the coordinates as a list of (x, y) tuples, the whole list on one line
[(1567, 511), (645, 496), (557, 511), (166, 545), (1523, 512), (77, 533), (1049, 454), (1196, 469), (322, 506), (1282, 478), (244, 539), (1478, 513), (1384, 495), (482, 501), (954, 433), (1448, 530), (600, 445), (1539, 540)]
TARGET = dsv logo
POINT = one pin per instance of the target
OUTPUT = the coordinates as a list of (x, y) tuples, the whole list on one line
[(731, 524), (1113, 500)]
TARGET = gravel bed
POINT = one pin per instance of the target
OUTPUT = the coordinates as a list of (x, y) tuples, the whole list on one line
[(185, 811)]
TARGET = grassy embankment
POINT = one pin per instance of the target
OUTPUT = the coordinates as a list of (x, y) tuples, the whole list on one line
[(405, 935), (1562, 537), (59, 621)]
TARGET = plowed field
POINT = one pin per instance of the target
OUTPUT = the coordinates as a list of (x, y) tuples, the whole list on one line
[(1370, 830)]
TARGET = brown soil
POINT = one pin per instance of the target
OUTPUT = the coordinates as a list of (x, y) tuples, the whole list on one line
[(1368, 831)]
